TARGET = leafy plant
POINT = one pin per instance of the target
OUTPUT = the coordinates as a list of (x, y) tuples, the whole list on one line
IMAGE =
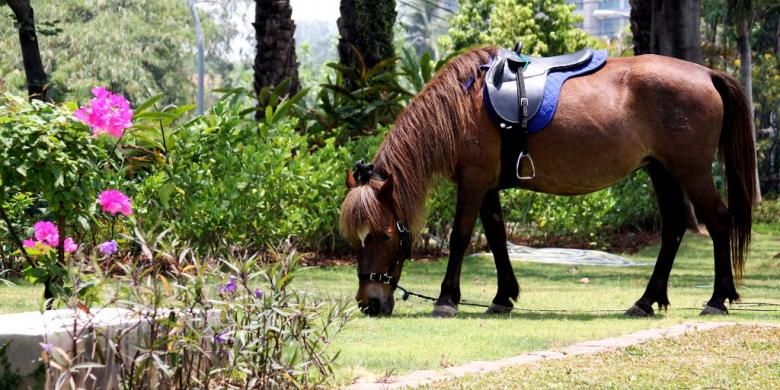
[(250, 329), (355, 101), (546, 27), (768, 211)]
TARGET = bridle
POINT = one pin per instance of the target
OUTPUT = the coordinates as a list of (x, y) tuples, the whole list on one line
[(363, 173), (403, 253)]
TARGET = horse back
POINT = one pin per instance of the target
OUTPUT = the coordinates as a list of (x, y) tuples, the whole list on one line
[(614, 121)]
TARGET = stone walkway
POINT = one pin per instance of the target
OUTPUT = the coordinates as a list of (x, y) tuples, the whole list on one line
[(417, 378)]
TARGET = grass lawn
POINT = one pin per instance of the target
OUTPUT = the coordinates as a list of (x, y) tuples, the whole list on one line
[(731, 357), (410, 339)]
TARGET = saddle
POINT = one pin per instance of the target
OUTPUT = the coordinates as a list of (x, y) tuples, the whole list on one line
[(515, 83), (520, 99)]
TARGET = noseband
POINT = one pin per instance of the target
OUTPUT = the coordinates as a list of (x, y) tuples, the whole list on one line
[(363, 173), (403, 253)]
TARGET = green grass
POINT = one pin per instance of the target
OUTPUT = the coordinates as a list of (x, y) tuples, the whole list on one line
[(731, 357), (20, 297), (411, 340)]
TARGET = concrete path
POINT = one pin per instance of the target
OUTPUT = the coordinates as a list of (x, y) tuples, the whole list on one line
[(566, 256), (417, 378)]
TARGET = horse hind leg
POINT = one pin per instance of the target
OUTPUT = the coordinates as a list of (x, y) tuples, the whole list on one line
[(710, 207), (495, 231), (669, 196)]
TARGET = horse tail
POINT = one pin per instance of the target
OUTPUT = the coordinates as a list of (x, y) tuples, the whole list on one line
[(738, 154)]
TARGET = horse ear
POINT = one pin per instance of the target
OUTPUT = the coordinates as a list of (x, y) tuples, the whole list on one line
[(387, 186), (351, 183)]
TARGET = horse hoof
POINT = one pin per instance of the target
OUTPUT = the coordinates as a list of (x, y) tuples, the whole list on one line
[(498, 309), (442, 311), (636, 311), (713, 311)]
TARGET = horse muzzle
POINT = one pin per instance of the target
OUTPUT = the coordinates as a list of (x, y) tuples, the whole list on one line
[(375, 301)]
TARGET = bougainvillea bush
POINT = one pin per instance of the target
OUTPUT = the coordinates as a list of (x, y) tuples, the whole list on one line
[(51, 170)]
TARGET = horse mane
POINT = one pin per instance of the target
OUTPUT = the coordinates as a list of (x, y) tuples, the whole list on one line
[(422, 146)]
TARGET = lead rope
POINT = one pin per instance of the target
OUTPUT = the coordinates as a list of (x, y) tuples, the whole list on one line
[(407, 293)]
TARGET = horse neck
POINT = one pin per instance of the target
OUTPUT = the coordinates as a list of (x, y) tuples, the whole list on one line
[(415, 158)]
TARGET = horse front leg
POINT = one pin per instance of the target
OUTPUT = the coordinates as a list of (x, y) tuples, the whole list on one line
[(495, 231), (465, 216)]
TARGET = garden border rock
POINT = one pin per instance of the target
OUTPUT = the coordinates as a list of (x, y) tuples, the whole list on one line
[(423, 377)]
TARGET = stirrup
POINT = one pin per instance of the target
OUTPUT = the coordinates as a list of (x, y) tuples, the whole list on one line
[(520, 163)]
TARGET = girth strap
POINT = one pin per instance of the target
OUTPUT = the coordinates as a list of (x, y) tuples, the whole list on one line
[(515, 141)]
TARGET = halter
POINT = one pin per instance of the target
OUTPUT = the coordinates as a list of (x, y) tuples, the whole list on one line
[(363, 173), (403, 253)]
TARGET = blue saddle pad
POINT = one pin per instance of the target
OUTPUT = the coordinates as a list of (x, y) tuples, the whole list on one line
[(552, 89)]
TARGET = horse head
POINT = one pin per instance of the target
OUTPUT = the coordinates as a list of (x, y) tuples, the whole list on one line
[(380, 239)]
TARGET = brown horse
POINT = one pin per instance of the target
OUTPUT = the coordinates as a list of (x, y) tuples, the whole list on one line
[(666, 115)]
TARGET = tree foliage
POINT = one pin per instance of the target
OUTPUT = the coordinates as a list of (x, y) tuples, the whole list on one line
[(546, 27), (129, 46), (424, 21)]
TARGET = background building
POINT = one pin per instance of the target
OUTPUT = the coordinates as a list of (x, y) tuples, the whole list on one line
[(603, 18)]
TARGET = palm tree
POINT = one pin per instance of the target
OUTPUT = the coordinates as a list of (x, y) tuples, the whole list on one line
[(275, 59), (366, 26), (671, 28)]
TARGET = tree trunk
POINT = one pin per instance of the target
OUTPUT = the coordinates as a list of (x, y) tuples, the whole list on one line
[(745, 73), (201, 63), (641, 17), (275, 58), (367, 27), (675, 29), (671, 28), (37, 83)]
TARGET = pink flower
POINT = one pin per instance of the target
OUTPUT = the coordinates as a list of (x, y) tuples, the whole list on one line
[(29, 243), (106, 113), (114, 201), (46, 232), (70, 246)]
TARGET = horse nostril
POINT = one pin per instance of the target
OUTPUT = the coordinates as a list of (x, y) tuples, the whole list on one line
[(372, 308)]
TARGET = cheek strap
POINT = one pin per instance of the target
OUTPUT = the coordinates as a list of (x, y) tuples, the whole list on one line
[(404, 252)]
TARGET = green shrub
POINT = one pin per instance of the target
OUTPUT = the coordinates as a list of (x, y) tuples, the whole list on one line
[(768, 211), (233, 180), (628, 205)]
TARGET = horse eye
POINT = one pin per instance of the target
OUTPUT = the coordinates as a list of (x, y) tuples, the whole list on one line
[(385, 237)]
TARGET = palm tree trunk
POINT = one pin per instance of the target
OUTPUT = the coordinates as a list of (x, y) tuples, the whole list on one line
[(366, 26), (670, 28), (275, 58)]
